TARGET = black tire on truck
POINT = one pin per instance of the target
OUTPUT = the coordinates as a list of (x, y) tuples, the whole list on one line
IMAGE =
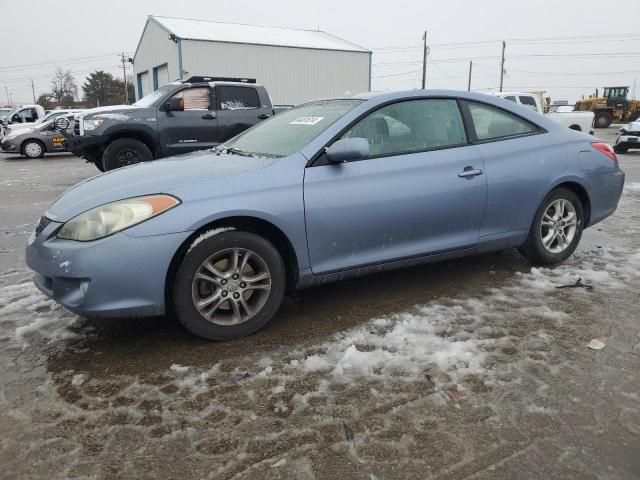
[(123, 152), (603, 119)]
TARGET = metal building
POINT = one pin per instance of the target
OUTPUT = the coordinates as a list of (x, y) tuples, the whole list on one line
[(294, 65)]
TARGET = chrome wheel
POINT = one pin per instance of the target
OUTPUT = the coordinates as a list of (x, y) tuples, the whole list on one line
[(558, 226), (33, 150), (231, 286)]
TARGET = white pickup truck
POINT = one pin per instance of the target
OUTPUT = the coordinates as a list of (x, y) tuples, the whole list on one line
[(581, 121)]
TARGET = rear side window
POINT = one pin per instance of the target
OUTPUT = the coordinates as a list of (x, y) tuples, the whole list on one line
[(493, 123), (528, 101), (411, 126), (238, 98), (195, 98), (511, 98)]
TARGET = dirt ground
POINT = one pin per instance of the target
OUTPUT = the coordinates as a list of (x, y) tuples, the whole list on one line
[(468, 369)]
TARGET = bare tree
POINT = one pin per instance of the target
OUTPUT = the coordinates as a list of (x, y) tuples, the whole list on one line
[(63, 85)]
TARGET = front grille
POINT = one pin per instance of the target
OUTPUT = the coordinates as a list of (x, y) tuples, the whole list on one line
[(76, 126), (42, 224), (633, 134)]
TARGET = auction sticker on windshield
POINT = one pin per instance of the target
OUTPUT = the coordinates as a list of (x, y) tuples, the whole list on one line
[(306, 121)]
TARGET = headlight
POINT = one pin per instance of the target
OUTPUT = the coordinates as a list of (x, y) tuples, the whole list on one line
[(115, 217), (92, 123)]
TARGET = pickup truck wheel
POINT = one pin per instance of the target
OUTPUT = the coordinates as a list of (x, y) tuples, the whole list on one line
[(33, 149), (228, 285), (603, 120), (123, 152)]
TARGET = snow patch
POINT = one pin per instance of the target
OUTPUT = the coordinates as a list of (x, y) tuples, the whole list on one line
[(208, 234)]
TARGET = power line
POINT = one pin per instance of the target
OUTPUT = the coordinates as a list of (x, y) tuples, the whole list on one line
[(55, 62), (572, 39), (18, 79), (395, 74)]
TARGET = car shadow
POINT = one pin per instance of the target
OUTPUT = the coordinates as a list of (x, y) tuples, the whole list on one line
[(138, 346)]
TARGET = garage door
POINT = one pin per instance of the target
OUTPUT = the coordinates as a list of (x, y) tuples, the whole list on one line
[(144, 83), (163, 75)]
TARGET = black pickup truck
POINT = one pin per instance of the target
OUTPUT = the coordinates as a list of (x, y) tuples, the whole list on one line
[(177, 118)]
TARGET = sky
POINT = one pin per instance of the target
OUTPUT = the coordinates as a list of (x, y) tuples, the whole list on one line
[(599, 46)]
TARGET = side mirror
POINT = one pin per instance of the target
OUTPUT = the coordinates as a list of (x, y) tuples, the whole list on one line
[(61, 123), (348, 150), (175, 104)]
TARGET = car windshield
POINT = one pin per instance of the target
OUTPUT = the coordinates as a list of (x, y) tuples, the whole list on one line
[(153, 97), (290, 130), (4, 113)]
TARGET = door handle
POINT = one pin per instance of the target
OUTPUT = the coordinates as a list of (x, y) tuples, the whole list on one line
[(209, 116), (470, 172), (263, 116)]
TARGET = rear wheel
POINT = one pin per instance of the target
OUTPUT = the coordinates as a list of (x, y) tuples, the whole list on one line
[(123, 152), (229, 285), (33, 149), (556, 230), (603, 120)]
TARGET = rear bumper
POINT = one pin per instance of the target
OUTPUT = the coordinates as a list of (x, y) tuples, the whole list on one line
[(605, 192), (118, 276)]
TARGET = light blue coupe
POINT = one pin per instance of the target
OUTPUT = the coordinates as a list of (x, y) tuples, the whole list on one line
[(327, 190)]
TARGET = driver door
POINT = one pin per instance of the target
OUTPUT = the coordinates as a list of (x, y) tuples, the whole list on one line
[(195, 128), (422, 190)]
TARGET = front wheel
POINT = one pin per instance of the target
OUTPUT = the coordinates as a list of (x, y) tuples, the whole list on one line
[(603, 120), (556, 230), (33, 149), (123, 152), (228, 285)]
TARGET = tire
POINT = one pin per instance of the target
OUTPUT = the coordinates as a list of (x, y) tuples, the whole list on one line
[(33, 149), (99, 165), (559, 248), (603, 120), (225, 321), (123, 152)]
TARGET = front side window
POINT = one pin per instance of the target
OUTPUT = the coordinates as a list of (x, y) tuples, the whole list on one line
[(411, 126), (290, 130), (238, 98), (195, 98), (492, 123)]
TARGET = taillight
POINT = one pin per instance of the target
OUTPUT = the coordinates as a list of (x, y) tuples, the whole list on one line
[(605, 149)]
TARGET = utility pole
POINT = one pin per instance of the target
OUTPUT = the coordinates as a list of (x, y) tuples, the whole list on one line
[(424, 60), (504, 45), (470, 69), (7, 91), (633, 95), (124, 73), (33, 90)]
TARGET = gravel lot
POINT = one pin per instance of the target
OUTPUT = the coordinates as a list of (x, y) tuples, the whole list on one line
[(475, 368)]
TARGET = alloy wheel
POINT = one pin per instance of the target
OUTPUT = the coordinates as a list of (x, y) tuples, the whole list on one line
[(231, 286), (558, 226)]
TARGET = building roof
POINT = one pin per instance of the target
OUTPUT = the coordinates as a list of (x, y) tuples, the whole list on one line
[(190, 29)]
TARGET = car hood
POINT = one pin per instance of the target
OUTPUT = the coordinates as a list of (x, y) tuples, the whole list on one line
[(114, 112), (159, 176)]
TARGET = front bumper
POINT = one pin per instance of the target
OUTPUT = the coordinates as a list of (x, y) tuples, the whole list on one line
[(628, 141), (10, 146), (80, 145), (117, 276)]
